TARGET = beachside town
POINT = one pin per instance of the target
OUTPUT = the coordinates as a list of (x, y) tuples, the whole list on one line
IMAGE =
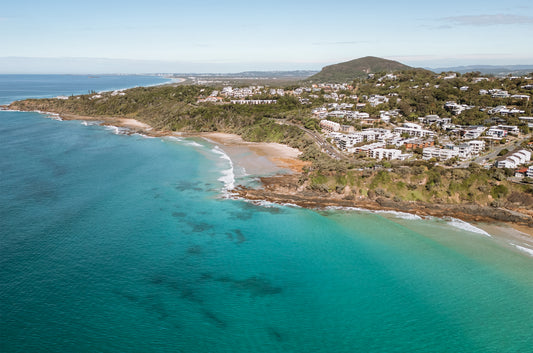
[(374, 125)]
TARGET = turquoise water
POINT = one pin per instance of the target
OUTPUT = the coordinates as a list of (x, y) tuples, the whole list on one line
[(116, 243)]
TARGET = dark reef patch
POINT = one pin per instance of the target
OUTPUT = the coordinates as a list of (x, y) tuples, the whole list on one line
[(151, 303), (237, 236), (275, 334), (254, 285), (194, 250), (243, 216), (188, 186), (184, 288), (200, 227), (214, 318)]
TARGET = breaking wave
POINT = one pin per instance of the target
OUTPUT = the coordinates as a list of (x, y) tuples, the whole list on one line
[(457, 223), (228, 175), (524, 249)]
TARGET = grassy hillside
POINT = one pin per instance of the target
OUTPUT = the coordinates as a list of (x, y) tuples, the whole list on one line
[(358, 68)]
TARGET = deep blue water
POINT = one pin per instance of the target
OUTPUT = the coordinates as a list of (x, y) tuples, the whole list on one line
[(116, 243)]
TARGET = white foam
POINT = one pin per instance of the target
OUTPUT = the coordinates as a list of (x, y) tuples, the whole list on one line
[(174, 138), (457, 223), (402, 215), (343, 208), (396, 214), (90, 123), (192, 143), (144, 136), (524, 249), (264, 203), (117, 130), (228, 176), (288, 204), (49, 115)]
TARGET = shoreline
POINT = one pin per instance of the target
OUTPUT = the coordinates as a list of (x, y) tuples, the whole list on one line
[(282, 186), (285, 189)]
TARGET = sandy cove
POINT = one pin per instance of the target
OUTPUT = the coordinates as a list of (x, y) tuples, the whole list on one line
[(282, 156)]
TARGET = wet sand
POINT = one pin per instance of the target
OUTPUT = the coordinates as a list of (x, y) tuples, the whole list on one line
[(257, 158)]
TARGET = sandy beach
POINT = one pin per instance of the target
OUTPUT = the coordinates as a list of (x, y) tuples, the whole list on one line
[(282, 156)]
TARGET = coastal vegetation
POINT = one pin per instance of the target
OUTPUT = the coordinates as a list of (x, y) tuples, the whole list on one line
[(422, 181)]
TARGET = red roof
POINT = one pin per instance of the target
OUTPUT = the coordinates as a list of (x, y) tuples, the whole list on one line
[(522, 170)]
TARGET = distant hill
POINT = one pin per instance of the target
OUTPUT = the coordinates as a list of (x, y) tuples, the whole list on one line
[(358, 68), (497, 70)]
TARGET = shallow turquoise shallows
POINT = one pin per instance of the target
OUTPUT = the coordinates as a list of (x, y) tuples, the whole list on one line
[(116, 243)]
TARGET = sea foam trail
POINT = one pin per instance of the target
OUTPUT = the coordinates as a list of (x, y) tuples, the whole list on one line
[(524, 249), (396, 214), (117, 130), (228, 175), (49, 115), (402, 215), (457, 223), (192, 143)]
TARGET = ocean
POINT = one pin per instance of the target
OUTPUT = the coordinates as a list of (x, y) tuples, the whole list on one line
[(123, 243)]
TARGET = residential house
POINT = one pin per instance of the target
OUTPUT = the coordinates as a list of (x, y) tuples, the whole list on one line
[(414, 130), (383, 153), (514, 159), (529, 173), (329, 126), (474, 133), (477, 146), (496, 133), (441, 154)]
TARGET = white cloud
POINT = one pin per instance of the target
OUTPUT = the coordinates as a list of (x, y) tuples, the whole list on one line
[(340, 43), (489, 20)]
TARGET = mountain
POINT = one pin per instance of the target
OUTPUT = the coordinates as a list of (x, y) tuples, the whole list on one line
[(358, 68), (502, 70)]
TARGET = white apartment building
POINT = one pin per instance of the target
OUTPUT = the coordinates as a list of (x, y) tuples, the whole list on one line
[(329, 126), (477, 146), (367, 148), (497, 133), (441, 154), (414, 131), (383, 153), (515, 159), (474, 133)]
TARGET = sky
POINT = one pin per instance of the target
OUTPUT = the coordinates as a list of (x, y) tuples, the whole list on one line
[(57, 36)]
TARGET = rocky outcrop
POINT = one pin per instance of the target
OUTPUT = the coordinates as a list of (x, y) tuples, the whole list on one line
[(287, 189)]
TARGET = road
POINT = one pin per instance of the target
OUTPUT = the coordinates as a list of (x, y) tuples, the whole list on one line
[(319, 140), (493, 154)]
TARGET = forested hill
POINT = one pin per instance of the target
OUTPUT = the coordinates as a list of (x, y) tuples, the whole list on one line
[(358, 68)]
